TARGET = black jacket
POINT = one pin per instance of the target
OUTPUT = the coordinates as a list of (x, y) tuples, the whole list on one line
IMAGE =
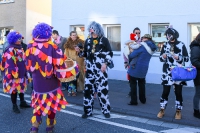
[(103, 49), (195, 59)]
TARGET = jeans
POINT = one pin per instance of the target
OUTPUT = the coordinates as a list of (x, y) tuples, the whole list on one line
[(141, 84), (196, 97)]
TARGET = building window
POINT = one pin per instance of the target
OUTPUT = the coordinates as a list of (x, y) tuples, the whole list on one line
[(2, 34), (195, 30), (113, 33), (6, 1), (80, 30), (158, 34)]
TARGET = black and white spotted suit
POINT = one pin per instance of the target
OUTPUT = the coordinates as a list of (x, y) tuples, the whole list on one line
[(180, 51), (94, 78)]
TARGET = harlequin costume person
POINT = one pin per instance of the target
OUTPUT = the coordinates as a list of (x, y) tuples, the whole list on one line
[(72, 41), (98, 55), (173, 53), (43, 59), (14, 70)]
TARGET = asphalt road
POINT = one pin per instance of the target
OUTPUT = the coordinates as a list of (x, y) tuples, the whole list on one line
[(70, 121)]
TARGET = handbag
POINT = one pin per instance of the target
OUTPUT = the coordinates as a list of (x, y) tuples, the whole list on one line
[(182, 73)]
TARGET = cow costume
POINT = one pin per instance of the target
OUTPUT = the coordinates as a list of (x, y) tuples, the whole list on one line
[(173, 53), (97, 52)]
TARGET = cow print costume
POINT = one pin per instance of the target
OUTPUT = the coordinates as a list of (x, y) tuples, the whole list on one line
[(95, 78), (172, 48)]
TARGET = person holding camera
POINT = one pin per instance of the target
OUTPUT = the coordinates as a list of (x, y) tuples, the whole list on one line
[(69, 46)]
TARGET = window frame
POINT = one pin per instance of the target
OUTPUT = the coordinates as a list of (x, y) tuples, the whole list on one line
[(6, 1), (151, 33), (190, 31), (79, 25), (105, 26)]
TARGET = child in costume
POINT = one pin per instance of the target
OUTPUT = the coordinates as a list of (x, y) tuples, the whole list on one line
[(14, 70), (43, 59), (129, 47)]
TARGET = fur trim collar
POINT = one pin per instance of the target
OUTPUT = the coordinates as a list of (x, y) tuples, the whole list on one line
[(147, 48), (71, 44)]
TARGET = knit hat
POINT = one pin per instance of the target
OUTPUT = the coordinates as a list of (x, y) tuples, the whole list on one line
[(13, 37), (147, 36), (42, 31), (171, 33)]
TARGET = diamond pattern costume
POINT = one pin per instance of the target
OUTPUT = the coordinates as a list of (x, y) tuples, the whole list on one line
[(43, 58)]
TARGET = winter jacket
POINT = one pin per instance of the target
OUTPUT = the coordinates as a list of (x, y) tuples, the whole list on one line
[(195, 59), (143, 53)]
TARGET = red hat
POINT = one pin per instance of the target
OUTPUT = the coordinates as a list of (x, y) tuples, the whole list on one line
[(133, 36)]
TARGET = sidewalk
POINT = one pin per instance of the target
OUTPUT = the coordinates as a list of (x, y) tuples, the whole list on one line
[(118, 95)]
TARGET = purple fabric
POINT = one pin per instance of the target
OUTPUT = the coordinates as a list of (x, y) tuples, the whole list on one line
[(34, 128), (38, 119), (42, 84), (49, 128), (51, 121), (49, 82), (20, 64), (183, 73)]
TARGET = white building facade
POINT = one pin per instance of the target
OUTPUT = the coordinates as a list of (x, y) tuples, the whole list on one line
[(119, 18)]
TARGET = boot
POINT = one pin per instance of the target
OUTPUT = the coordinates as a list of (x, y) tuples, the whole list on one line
[(15, 108), (196, 113), (107, 115), (50, 125), (36, 121), (178, 114), (23, 104), (161, 113)]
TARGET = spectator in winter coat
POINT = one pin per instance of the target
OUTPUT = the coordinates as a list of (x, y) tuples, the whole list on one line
[(138, 73), (59, 41), (195, 60)]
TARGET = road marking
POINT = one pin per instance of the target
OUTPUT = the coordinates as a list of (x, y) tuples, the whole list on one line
[(100, 120), (111, 123), (181, 130)]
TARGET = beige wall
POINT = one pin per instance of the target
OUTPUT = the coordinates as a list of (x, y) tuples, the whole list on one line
[(37, 11), (14, 15)]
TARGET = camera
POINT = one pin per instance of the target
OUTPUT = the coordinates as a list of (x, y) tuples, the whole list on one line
[(80, 45)]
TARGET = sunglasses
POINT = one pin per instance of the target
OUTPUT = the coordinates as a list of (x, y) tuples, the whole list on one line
[(20, 39), (137, 33)]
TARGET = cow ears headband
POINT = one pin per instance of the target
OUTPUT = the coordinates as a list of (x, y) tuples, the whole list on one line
[(170, 27)]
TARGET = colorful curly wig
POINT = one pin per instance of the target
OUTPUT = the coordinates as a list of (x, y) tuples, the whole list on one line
[(96, 27), (42, 31), (13, 37)]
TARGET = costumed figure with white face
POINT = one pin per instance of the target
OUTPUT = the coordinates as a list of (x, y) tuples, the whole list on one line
[(98, 55), (173, 53)]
